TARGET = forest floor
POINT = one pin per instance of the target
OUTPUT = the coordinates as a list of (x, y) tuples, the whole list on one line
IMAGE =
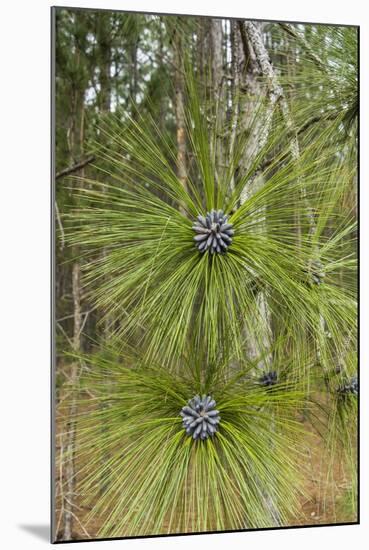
[(326, 495), (325, 501)]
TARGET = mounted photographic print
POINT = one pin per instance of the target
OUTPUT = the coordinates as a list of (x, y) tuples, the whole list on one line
[(205, 374)]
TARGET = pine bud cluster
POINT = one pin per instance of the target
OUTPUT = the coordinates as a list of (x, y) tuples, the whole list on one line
[(316, 272), (349, 387), (200, 418), (213, 232), (269, 378)]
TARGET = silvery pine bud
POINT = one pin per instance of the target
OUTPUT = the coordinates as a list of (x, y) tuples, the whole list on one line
[(269, 378), (213, 233), (349, 387), (200, 418), (316, 272)]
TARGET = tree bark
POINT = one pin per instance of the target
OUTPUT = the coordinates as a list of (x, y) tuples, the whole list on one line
[(72, 412), (235, 92), (180, 112), (104, 42), (217, 83)]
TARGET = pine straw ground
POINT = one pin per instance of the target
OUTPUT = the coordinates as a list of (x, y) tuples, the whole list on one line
[(327, 494)]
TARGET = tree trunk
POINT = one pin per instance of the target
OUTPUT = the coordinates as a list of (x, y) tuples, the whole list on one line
[(72, 412), (104, 44), (180, 112), (235, 91), (260, 341), (104, 30), (218, 87), (134, 72)]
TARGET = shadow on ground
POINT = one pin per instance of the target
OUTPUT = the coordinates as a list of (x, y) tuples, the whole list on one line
[(40, 531)]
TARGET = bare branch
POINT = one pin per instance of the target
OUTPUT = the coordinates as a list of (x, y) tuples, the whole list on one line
[(65, 334), (72, 315), (62, 234), (75, 167), (83, 322)]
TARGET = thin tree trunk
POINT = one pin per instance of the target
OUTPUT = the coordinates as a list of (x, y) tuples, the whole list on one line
[(218, 87), (260, 129), (261, 340), (104, 42), (105, 61), (72, 412), (77, 137), (235, 92), (180, 113), (104, 30), (216, 34), (134, 72)]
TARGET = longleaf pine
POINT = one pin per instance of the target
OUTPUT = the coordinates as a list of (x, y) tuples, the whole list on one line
[(207, 362)]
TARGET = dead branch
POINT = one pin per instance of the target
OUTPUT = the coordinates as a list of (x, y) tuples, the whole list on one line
[(62, 234), (75, 167)]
